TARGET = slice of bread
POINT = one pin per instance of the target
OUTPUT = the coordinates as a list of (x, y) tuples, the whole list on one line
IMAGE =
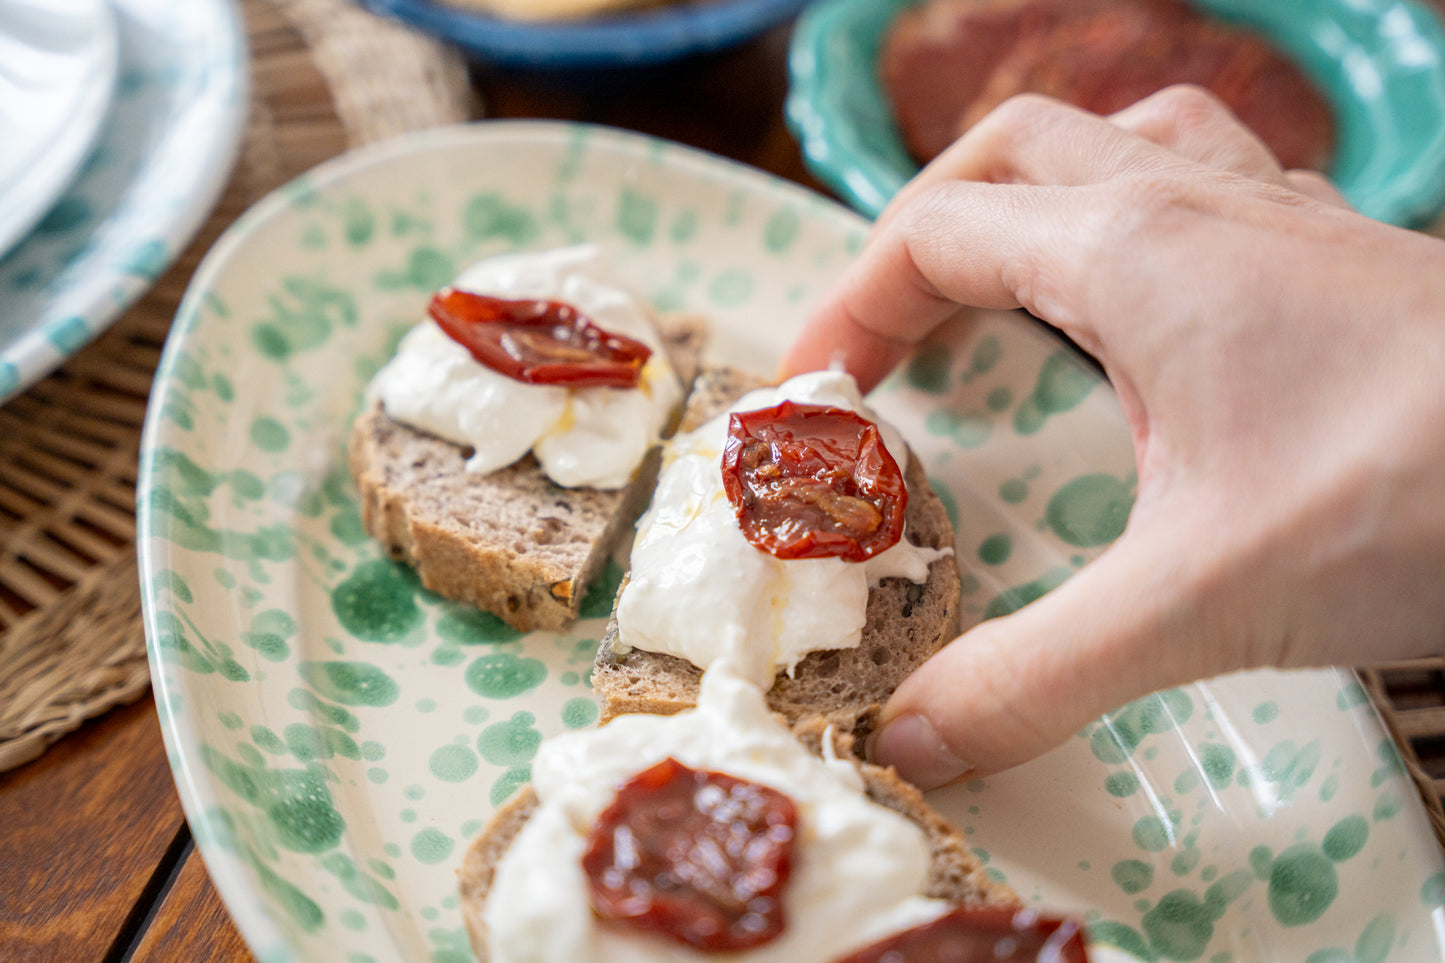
[(511, 541), (906, 622), (955, 873)]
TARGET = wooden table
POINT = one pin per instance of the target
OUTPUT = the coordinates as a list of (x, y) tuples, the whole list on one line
[(97, 864)]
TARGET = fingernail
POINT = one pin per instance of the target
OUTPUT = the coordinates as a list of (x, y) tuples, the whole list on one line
[(911, 745)]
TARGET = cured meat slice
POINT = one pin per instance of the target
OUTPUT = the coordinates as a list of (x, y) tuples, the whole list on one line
[(946, 63)]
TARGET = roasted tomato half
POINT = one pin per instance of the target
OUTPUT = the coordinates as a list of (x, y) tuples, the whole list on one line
[(699, 857), (982, 936), (813, 481), (539, 342)]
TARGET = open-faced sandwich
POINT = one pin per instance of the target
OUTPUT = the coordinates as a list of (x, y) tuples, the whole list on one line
[(512, 439), (713, 834), (792, 535)]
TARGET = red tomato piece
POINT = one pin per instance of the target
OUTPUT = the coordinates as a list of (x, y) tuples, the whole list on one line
[(699, 857), (539, 342), (813, 481), (981, 936)]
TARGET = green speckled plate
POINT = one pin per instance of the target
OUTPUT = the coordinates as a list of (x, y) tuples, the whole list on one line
[(1381, 63), (339, 734)]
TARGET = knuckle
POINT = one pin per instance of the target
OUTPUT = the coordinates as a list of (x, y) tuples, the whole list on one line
[(923, 233), (1018, 117), (925, 210), (1028, 106), (1145, 202), (929, 220), (1189, 107)]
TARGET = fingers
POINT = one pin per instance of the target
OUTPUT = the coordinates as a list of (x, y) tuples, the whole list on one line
[(1031, 139), (968, 231), (982, 245), (1014, 687), (1015, 210), (1194, 124), (942, 241)]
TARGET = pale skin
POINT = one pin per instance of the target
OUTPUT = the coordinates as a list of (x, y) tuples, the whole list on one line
[(1279, 358)]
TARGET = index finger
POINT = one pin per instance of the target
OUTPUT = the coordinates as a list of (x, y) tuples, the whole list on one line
[(954, 237), (1033, 139), (957, 244)]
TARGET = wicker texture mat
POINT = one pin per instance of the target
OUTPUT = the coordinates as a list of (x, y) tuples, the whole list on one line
[(326, 76), (1411, 699)]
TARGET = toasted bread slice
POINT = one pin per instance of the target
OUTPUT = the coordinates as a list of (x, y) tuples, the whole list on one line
[(906, 622), (511, 541), (955, 873)]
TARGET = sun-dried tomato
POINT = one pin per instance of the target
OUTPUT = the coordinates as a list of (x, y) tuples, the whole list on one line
[(813, 481), (700, 857), (981, 936), (539, 342)]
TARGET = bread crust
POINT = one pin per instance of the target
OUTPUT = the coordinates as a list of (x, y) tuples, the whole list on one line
[(955, 873), (479, 866), (511, 541), (905, 623)]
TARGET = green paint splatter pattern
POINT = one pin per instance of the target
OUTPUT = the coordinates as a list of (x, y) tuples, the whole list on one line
[(382, 701)]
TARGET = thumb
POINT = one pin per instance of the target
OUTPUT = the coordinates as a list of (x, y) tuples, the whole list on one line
[(1014, 687)]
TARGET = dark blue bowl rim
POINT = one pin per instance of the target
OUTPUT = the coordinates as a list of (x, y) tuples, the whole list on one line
[(643, 37)]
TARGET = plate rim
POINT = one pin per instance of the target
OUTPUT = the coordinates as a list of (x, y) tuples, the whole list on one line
[(624, 39), (818, 112), (33, 352), (50, 168)]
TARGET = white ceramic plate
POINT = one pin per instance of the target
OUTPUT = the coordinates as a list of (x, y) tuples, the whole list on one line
[(57, 71), (162, 157), (339, 734)]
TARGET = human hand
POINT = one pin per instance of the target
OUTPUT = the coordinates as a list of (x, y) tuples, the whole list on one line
[(1280, 361)]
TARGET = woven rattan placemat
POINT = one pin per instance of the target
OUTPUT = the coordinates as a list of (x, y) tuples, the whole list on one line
[(326, 76)]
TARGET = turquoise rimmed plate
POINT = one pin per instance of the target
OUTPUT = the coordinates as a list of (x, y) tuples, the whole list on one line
[(1381, 63)]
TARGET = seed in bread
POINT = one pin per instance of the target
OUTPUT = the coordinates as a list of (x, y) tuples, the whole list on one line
[(905, 622), (510, 541)]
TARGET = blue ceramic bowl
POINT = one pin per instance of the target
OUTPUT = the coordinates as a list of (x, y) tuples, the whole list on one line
[(1381, 63), (630, 39)]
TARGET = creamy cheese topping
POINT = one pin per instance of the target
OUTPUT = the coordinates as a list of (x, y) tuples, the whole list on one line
[(856, 863), (699, 590), (589, 436)]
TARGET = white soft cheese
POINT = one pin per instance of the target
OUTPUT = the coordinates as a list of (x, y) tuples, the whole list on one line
[(699, 590), (856, 862), (592, 437)]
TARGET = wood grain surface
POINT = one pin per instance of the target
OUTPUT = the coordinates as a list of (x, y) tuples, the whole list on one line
[(190, 923), (84, 832)]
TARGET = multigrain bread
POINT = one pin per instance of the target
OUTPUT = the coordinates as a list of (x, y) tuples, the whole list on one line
[(955, 873), (905, 622), (510, 541)]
